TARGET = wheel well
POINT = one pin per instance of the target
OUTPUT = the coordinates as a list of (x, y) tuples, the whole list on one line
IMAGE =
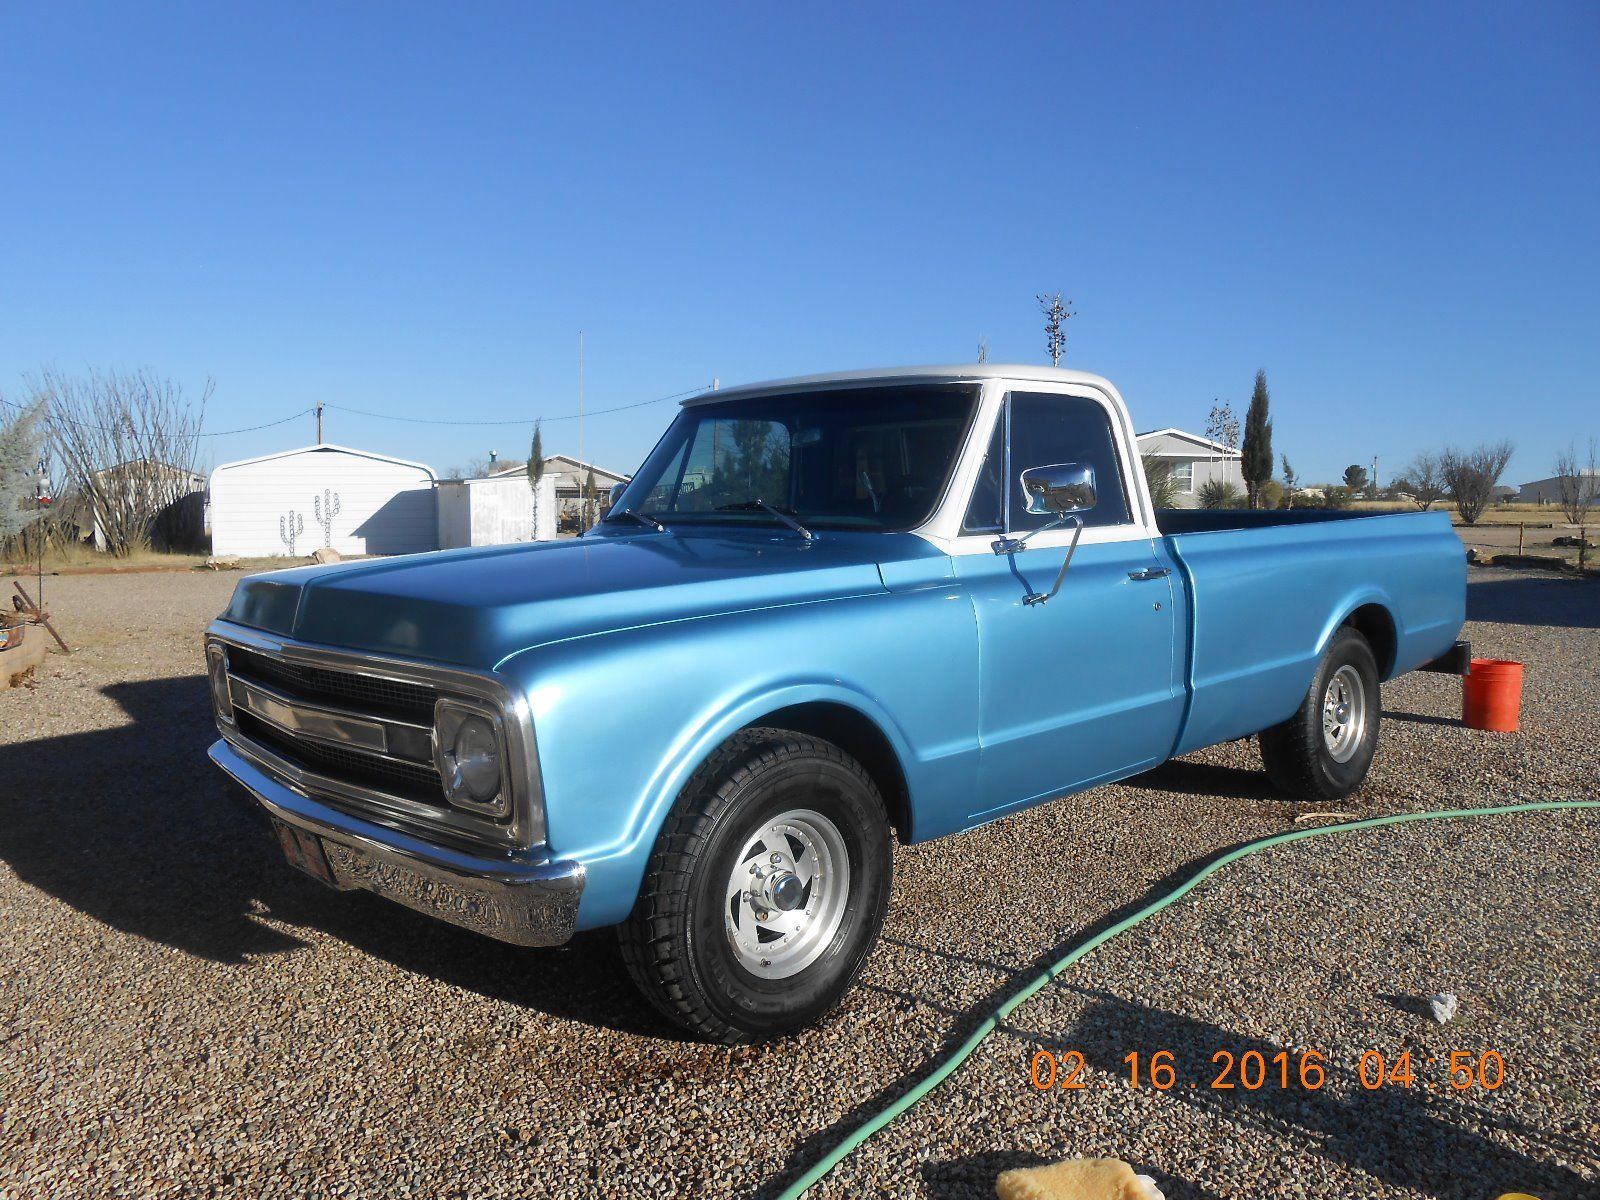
[(858, 736), (1373, 622)]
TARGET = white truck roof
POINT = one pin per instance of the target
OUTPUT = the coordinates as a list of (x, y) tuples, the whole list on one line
[(974, 371)]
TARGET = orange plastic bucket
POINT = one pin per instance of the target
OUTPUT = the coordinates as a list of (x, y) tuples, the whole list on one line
[(1491, 695)]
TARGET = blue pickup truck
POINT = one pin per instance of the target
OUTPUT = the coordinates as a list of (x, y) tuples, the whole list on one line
[(825, 612)]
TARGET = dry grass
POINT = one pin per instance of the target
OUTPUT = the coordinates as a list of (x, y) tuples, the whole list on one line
[(81, 560)]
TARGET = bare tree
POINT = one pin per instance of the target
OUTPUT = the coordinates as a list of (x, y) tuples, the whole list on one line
[(1470, 476), (983, 348), (1425, 477), (128, 443), (1056, 316), (1577, 483), (1222, 425), (1291, 483)]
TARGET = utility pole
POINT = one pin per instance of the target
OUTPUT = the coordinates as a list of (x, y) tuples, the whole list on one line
[(1374, 474), (583, 501), (319, 422)]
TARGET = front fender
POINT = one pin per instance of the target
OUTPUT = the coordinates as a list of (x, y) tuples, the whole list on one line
[(623, 720)]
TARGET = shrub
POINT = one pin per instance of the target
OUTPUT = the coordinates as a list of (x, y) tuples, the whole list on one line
[(1220, 493), (1471, 475), (1158, 475)]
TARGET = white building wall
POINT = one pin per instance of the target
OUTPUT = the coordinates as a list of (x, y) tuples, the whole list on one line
[(1548, 491), (294, 503), (494, 511)]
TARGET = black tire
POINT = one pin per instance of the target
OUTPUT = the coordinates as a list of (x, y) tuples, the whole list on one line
[(676, 942), (1297, 756)]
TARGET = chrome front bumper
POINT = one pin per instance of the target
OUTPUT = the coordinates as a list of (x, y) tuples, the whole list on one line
[(527, 900)]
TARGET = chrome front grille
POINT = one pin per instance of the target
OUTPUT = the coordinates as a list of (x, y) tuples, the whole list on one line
[(357, 731), (388, 696), (413, 781)]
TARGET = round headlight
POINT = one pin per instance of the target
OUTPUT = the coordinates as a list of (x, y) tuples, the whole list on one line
[(475, 761), (217, 668)]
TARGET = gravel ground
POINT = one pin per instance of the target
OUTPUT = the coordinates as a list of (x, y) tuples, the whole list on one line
[(180, 1013)]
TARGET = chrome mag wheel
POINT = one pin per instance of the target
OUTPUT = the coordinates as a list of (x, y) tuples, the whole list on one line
[(787, 894), (1344, 713)]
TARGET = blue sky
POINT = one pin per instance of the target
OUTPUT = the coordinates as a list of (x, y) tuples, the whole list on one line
[(414, 209)]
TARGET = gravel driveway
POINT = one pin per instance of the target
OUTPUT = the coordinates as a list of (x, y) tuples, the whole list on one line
[(182, 1014)]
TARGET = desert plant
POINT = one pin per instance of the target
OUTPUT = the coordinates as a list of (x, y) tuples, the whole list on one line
[(1220, 493), (1256, 461), (1470, 476), (1272, 495), (1337, 496), (1056, 316), (1158, 477), (1576, 483)]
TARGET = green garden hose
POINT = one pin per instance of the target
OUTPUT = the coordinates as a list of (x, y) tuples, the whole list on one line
[(940, 1073)]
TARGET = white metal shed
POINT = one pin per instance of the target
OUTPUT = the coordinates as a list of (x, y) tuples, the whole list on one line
[(295, 501), (494, 510)]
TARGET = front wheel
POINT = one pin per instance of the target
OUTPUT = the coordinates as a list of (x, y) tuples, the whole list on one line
[(1323, 752), (766, 889)]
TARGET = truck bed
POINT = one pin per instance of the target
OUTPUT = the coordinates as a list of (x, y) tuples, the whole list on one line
[(1213, 520), (1264, 592)]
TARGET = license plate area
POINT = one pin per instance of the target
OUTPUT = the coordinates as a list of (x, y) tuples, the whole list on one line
[(304, 852)]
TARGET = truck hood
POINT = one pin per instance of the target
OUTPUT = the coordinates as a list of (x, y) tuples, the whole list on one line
[(475, 607)]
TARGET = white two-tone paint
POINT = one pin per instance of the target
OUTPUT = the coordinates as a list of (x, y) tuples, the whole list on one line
[(296, 501)]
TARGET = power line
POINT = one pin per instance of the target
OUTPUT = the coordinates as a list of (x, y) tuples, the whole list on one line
[(519, 421), (362, 412), (73, 421)]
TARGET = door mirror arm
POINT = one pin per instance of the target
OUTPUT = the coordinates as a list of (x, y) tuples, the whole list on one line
[(1077, 532), (1065, 489)]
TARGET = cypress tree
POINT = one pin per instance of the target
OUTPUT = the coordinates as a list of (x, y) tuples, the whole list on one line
[(1256, 461)]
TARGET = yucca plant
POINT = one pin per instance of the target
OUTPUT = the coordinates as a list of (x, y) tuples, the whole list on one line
[(1220, 493)]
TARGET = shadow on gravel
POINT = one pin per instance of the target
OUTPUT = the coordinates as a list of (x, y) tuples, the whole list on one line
[(1531, 600), (1411, 718), (1207, 779), (1402, 1136), (134, 827)]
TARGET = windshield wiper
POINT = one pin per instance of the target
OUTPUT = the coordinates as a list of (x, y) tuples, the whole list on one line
[(772, 510), (637, 516)]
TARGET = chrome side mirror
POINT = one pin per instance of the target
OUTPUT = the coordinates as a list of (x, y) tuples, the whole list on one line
[(1061, 489), (1065, 489)]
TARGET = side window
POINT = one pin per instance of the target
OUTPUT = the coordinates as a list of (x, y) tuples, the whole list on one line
[(1047, 429), (986, 512)]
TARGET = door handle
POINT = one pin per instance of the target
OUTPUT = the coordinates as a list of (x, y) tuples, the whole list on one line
[(1150, 573)]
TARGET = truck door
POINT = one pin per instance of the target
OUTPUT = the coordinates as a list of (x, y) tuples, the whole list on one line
[(1081, 688)]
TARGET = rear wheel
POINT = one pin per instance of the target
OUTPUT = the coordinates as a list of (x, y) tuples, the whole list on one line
[(1323, 752), (766, 889)]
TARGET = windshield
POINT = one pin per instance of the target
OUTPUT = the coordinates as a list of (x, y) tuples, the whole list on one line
[(873, 458)]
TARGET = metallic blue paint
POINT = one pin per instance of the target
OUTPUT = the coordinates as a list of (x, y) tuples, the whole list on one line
[(640, 652)]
